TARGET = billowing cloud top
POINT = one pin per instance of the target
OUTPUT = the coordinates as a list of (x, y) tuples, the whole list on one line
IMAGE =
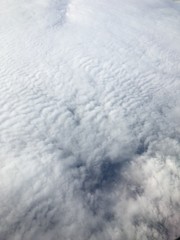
[(89, 120)]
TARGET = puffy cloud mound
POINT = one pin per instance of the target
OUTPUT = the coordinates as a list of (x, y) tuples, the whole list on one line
[(89, 120)]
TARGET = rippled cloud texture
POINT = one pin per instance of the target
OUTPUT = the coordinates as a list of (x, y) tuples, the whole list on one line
[(89, 119)]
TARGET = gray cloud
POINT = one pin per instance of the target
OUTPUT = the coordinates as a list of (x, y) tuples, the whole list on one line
[(89, 120)]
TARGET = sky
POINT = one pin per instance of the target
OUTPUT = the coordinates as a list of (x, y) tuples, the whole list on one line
[(89, 120)]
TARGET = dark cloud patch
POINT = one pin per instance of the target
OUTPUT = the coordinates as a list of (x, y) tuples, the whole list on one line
[(142, 147), (103, 176)]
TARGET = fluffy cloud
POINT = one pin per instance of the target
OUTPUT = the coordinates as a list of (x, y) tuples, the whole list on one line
[(89, 120)]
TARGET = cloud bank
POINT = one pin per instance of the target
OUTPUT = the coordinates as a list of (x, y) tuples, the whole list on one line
[(89, 120)]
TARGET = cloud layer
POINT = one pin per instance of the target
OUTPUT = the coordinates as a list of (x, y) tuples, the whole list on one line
[(89, 120)]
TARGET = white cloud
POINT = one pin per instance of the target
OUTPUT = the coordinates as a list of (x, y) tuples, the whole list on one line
[(89, 120)]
